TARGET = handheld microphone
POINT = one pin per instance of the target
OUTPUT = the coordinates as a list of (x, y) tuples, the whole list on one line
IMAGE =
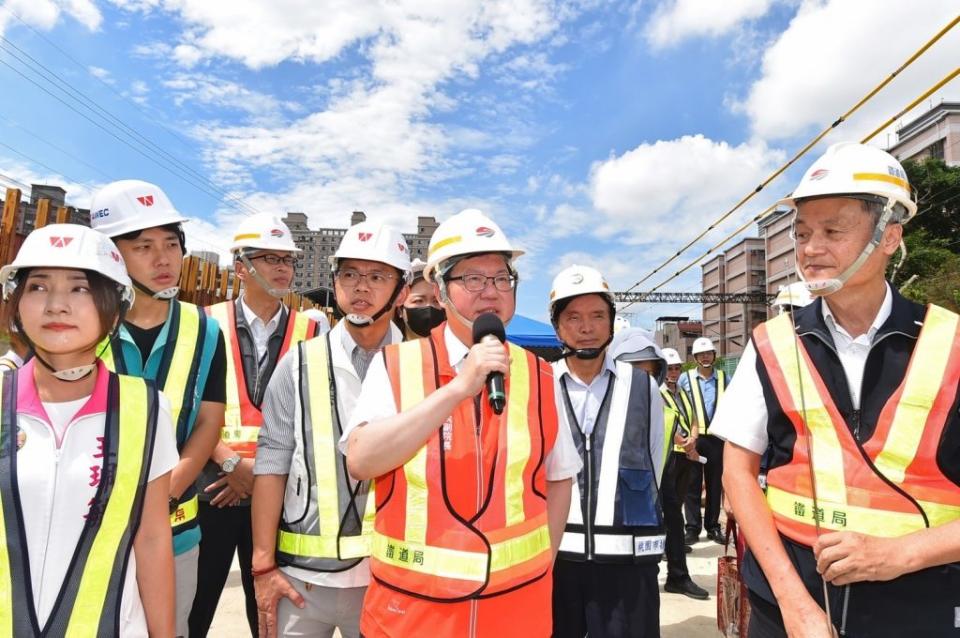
[(489, 326)]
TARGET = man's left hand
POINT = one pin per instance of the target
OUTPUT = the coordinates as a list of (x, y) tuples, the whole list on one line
[(851, 557)]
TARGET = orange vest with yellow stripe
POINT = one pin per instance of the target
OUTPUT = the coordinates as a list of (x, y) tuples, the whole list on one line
[(891, 485), (242, 419), (431, 542)]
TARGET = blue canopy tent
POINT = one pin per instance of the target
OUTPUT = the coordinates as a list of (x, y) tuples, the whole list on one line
[(534, 335)]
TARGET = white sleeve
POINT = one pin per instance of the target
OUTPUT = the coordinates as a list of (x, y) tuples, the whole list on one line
[(741, 416), (656, 429), (165, 456), (563, 461), (375, 400)]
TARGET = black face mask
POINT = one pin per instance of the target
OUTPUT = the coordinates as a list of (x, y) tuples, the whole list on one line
[(422, 320)]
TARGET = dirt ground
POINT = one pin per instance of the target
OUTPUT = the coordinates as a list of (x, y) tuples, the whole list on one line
[(680, 617)]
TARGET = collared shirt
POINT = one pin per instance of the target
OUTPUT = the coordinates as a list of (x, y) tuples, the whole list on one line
[(361, 357), (708, 389), (276, 444), (260, 331), (585, 398), (563, 461), (742, 415)]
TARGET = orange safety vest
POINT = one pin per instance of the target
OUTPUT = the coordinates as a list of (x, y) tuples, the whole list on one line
[(421, 545), (242, 419), (888, 486)]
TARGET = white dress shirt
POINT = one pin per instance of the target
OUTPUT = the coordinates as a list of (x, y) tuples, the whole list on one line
[(562, 461), (259, 330), (741, 417)]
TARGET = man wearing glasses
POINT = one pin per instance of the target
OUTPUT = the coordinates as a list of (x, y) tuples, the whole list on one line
[(258, 330), (471, 504), (325, 517)]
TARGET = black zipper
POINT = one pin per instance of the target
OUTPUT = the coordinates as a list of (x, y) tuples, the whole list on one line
[(588, 483)]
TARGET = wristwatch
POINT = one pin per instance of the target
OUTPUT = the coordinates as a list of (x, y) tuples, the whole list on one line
[(230, 464), (173, 504)]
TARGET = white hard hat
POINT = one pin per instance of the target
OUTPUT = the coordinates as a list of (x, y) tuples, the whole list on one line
[(69, 246), (619, 323), (672, 357), (416, 268), (469, 232), (852, 169), (263, 231), (575, 281), (795, 294), (130, 205), (702, 344), (374, 241)]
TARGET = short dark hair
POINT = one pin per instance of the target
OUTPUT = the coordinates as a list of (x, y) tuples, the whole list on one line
[(106, 298)]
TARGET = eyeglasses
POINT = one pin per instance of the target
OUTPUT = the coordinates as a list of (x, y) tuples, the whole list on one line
[(376, 279), (478, 283), (273, 260)]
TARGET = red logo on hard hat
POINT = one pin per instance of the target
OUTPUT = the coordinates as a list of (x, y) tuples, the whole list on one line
[(115, 256), (819, 174), (276, 232), (364, 236), (60, 242), (483, 231), (146, 200), (402, 248)]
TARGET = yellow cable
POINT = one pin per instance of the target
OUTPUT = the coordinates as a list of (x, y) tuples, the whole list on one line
[(802, 151)]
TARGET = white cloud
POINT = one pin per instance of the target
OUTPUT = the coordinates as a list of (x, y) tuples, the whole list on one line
[(834, 52), (669, 188), (674, 21), (44, 14), (224, 94), (100, 73)]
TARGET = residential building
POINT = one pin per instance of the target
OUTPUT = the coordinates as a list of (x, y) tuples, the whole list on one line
[(678, 333), (741, 269), (935, 133), (781, 259)]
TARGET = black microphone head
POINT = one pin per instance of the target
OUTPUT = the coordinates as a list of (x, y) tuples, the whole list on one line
[(488, 324)]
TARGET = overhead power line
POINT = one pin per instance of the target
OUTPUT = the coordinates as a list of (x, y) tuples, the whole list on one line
[(805, 148), (769, 210), (111, 124)]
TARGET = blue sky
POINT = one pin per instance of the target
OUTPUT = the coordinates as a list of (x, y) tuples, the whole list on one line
[(600, 132)]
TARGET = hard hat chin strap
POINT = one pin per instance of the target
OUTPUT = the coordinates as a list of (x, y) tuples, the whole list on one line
[(164, 295), (830, 286), (278, 293), (584, 353), (78, 372)]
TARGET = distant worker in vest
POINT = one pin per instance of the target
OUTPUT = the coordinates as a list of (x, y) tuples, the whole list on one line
[(676, 476), (258, 329), (472, 477), (704, 386), (85, 454), (421, 312), (858, 395), (311, 570), (605, 578), (170, 342)]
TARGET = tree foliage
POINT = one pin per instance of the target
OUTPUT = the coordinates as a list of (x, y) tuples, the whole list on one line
[(931, 271)]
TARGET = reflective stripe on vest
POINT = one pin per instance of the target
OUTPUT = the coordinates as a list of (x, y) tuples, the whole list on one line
[(242, 419), (609, 534), (90, 596), (672, 412), (423, 548), (901, 489), (693, 377), (329, 535), (177, 379)]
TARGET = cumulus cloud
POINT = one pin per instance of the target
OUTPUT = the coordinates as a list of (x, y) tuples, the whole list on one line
[(223, 94), (665, 188), (833, 53), (674, 21), (43, 14)]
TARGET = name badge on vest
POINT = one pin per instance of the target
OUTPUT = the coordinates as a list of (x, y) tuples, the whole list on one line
[(447, 433), (648, 545)]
